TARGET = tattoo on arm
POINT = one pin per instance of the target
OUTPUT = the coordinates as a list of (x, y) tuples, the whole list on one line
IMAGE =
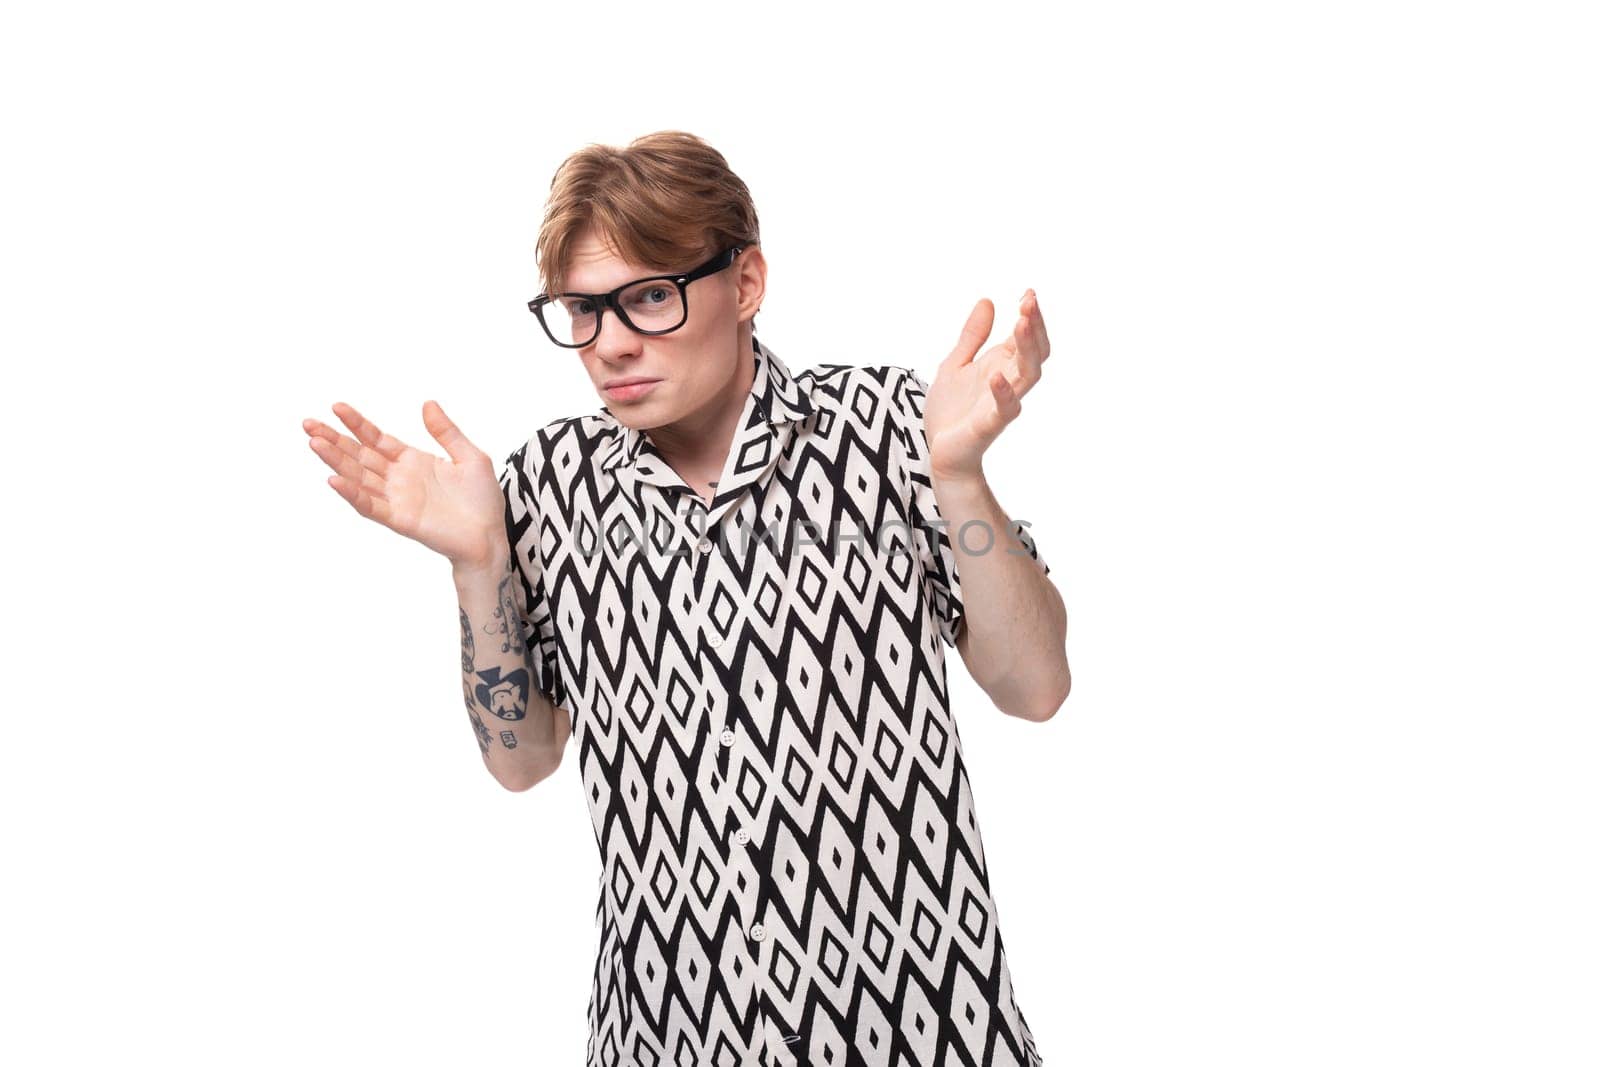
[(507, 623), (478, 728), (505, 694), (485, 738), (507, 697)]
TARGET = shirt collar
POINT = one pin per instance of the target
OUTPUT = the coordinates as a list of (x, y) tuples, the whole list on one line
[(776, 397)]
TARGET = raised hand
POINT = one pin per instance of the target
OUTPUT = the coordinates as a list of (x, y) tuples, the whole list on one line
[(454, 506), (972, 398)]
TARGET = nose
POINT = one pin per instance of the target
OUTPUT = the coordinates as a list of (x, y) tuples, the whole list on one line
[(615, 340)]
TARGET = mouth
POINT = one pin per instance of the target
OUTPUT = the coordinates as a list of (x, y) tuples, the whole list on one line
[(630, 388)]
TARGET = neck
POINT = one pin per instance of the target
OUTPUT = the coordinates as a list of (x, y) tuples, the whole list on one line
[(696, 446)]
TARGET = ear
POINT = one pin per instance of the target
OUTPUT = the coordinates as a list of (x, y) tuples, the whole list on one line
[(750, 274)]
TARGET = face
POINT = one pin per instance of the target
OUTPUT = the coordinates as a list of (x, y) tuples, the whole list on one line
[(680, 376)]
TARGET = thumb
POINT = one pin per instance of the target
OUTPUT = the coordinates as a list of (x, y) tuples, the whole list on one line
[(447, 433)]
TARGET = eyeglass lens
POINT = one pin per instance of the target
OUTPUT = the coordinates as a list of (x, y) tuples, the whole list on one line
[(649, 306)]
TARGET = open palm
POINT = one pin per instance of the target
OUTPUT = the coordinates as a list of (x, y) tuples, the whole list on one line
[(454, 505), (973, 397)]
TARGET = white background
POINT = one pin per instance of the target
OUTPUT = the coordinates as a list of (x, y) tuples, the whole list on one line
[(1313, 461)]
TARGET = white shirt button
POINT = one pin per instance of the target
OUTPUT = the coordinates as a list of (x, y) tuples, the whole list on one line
[(702, 546), (713, 640), (727, 737), (757, 932), (742, 836)]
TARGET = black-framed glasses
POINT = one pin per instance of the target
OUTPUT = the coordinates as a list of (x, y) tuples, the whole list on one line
[(654, 305)]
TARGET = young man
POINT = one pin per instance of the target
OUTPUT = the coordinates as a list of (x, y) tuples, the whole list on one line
[(732, 587)]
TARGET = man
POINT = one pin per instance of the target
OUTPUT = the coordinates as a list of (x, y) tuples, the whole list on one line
[(731, 587)]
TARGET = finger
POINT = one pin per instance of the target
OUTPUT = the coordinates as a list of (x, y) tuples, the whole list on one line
[(1008, 359), (350, 467), (1028, 353), (987, 424), (980, 323), (372, 507), (367, 457), (1030, 308), (1007, 404), (447, 433), (367, 432)]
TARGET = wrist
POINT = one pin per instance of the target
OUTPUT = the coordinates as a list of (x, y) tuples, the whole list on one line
[(490, 568), (973, 481)]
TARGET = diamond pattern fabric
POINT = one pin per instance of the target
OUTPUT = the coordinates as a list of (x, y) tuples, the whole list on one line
[(791, 867)]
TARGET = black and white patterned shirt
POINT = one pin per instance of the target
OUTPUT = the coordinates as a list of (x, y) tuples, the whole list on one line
[(791, 869)]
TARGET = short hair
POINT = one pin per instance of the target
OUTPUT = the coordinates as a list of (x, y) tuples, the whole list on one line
[(668, 201)]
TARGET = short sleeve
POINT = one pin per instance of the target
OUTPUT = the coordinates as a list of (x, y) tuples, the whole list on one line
[(933, 537), (517, 485)]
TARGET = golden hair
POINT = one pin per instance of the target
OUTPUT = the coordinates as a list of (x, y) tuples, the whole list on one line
[(667, 201)]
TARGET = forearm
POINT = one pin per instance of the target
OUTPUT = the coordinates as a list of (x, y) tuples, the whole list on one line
[(1015, 620), (520, 733)]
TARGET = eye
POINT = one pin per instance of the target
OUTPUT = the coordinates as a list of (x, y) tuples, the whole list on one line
[(656, 294)]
